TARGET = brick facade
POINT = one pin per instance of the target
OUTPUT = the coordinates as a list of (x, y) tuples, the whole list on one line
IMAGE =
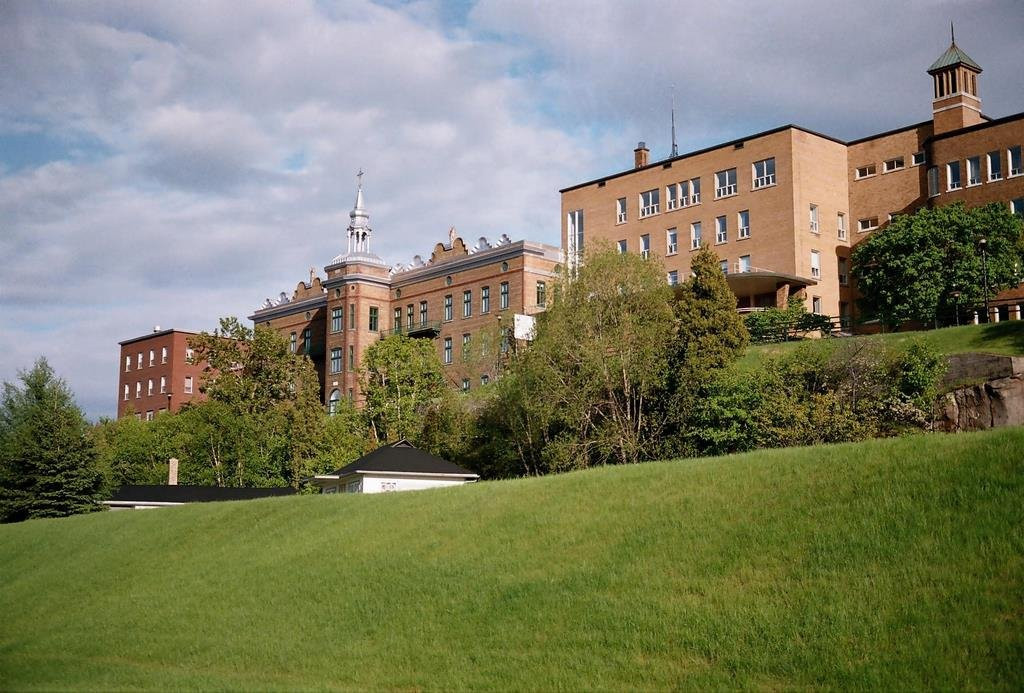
[(155, 372)]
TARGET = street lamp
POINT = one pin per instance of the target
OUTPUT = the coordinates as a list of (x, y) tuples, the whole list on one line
[(983, 247), (955, 295)]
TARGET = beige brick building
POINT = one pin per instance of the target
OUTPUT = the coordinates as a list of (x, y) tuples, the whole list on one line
[(469, 301), (782, 208)]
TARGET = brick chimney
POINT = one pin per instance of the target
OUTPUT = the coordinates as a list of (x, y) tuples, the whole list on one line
[(172, 471), (641, 155)]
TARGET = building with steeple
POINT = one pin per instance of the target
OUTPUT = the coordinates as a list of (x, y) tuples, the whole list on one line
[(783, 208), (473, 302)]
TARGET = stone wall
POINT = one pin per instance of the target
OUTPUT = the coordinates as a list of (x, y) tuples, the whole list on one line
[(998, 401)]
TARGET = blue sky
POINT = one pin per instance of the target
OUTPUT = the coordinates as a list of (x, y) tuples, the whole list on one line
[(172, 163)]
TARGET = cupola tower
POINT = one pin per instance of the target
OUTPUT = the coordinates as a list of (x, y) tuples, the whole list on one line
[(955, 103)]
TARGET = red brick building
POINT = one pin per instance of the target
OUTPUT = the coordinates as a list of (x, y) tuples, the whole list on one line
[(157, 374)]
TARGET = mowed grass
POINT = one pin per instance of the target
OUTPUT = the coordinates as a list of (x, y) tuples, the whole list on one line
[(1006, 338), (890, 564)]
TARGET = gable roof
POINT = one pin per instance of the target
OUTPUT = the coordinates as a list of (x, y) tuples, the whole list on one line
[(953, 56), (402, 457), (164, 493)]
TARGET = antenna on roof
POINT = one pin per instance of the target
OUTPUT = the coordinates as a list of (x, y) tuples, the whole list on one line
[(675, 148), (952, 36)]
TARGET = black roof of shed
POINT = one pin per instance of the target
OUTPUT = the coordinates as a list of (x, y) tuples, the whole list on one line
[(402, 457), (193, 494)]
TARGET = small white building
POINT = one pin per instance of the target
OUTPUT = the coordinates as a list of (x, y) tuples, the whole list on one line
[(394, 467)]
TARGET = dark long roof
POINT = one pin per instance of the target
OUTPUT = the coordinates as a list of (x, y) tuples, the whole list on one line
[(402, 457), (193, 494)]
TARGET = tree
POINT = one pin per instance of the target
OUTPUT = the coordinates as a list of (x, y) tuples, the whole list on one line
[(924, 266), (48, 464), (402, 377)]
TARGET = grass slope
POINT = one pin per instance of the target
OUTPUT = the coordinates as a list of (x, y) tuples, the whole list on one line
[(886, 564), (1005, 338)]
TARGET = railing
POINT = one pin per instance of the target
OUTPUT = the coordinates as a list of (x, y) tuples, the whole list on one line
[(725, 190), (695, 198), (764, 181), (814, 227), (621, 218), (744, 232), (421, 329), (694, 243), (648, 210), (672, 203), (672, 248)]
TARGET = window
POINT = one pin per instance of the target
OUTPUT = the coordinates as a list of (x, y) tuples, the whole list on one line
[(917, 159), (332, 401), (465, 384), (721, 230), (891, 165), (953, 175), (149, 415), (649, 202), (620, 210), (465, 347), (865, 171), (814, 219), (764, 173), (724, 266), (127, 391), (398, 320), (816, 305), (127, 363), (337, 318), (336, 360), (163, 384), (695, 238), (867, 224), (188, 384), (673, 278), (484, 379), (163, 354), (467, 303), (352, 398), (139, 362), (695, 191), (152, 357), (409, 312), (189, 355), (621, 246), (447, 350), (1017, 206), (933, 181), (841, 226), (671, 242), (645, 245), (974, 170), (138, 389), (844, 278), (542, 293), (1013, 156), (374, 318), (293, 342), (574, 232), (725, 183), (351, 316), (995, 166), (307, 341), (351, 357), (743, 221), (744, 264), (423, 312), (448, 307), (503, 298), (671, 197), (485, 299), (815, 264)]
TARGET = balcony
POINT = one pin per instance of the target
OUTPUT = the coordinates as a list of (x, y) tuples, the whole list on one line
[(428, 329)]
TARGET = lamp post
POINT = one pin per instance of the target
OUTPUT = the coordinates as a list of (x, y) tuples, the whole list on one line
[(955, 295), (983, 247)]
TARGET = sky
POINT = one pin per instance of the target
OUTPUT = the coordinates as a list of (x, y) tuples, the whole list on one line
[(172, 163)]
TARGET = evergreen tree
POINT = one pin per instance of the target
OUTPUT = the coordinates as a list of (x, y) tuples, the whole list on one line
[(48, 463)]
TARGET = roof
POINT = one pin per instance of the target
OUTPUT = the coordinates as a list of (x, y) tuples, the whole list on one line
[(953, 56), (193, 494), (158, 333), (402, 457)]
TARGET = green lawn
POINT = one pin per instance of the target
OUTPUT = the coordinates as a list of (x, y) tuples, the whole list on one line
[(890, 564), (995, 338)]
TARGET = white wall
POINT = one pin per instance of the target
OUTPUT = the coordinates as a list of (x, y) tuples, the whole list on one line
[(380, 484)]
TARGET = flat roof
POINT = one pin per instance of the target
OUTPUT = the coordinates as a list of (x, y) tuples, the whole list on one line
[(159, 333), (165, 493)]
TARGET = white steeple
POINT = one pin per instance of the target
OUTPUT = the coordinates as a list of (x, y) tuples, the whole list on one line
[(359, 228)]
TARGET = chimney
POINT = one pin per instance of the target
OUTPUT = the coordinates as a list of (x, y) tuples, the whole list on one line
[(172, 471), (156, 328), (641, 155)]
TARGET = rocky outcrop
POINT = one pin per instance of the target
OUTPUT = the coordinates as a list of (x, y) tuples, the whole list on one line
[(995, 403)]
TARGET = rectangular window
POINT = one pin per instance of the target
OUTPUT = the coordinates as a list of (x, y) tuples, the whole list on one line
[(1017, 206), (620, 211), (467, 303), (673, 278), (764, 173), (447, 350), (868, 224), (163, 384), (815, 264), (139, 361), (933, 181), (917, 159), (621, 246), (953, 175), (645, 245), (351, 316), (448, 311), (844, 278), (865, 171), (189, 355), (891, 165), (336, 360), (542, 294), (695, 191), (423, 312), (337, 318), (398, 320), (484, 379), (721, 230), (841, 226), (152, 357), (684, 193), (127, 391), (814, 219), (465, 347), (743, 221), (188, 384), (485, 299), (725, 183), (671, 197), (163, 355), (503, 298), (974, 170), (671, 242), (465, 384), (149, 415), (1013, 158), (649, 202), (409, 313), (995, 166), (127, 363), (351, 357), (374, 318), (724, 266), (744, 264), (695, 235), (138, 389), (816, 305), (307, 340), (149, 388), (293, 342), (574, 232)]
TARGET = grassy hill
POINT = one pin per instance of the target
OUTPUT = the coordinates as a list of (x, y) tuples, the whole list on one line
[(886, 564), (1005, 338)]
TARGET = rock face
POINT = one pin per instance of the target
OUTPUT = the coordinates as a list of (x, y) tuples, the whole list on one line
[(997, 402)]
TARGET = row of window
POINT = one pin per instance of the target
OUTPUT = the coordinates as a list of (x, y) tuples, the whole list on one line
[(338, 322), (152, 358), (337, 362), (149, 414), (744, 266), (484, 380), (504, 293), (897, 163), (993, 169), (150, 386), (446, 352)]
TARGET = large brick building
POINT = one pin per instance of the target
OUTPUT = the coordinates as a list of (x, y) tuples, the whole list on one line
[(468, 300), (157, 373), (783, 208)]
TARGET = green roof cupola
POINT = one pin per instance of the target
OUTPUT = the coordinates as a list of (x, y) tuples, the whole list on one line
[(955, 101)]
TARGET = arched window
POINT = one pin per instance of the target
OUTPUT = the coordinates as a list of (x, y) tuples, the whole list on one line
[(332, 402)]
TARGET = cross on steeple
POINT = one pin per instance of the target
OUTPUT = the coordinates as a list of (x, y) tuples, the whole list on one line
[(360, 174)]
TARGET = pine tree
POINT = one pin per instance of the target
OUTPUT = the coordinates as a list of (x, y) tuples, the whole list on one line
[(48, 463)]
